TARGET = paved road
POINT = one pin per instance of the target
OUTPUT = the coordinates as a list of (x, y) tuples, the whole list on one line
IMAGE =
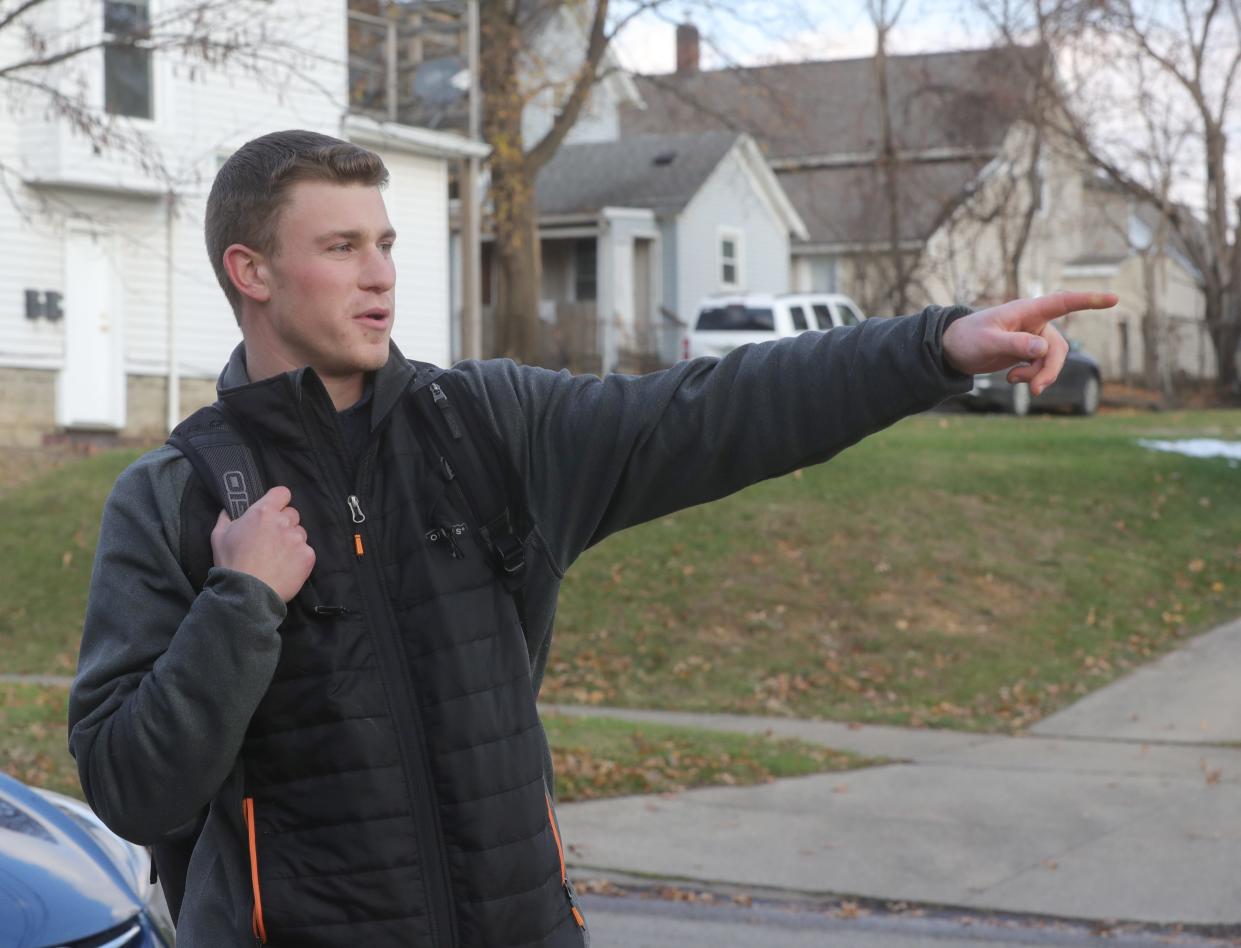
[(633, 922)]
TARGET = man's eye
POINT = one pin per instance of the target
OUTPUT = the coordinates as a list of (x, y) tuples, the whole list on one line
[(340, 248), (386, 247)]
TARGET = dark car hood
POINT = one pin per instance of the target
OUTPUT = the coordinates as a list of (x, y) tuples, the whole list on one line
[(57, 884)]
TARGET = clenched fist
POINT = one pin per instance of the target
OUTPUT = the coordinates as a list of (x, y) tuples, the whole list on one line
[(268, 542)]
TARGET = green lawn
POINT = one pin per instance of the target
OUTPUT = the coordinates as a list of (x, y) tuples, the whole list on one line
[(600, 757), (32, 737), (962, 571), (50, 528)]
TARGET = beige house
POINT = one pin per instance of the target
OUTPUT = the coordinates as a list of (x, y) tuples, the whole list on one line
[(1128, 250), (971, 203)]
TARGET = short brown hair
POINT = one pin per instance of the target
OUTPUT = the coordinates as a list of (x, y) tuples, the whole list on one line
[(252, 185)]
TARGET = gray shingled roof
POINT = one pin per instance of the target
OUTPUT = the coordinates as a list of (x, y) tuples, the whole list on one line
[(848, 206), (661, 172), (960, 103)]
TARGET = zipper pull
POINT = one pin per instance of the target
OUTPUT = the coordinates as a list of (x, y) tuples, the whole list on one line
[(355, 513), (450, 414)]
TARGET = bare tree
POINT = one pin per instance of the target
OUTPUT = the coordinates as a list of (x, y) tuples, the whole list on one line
[(901, 265), (510, 81), (1146, 96), (514, 166)]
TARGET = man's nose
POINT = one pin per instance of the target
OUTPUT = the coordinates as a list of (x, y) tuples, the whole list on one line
[(379, 272)]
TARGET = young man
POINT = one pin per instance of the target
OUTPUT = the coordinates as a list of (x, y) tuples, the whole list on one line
[(350, 700)]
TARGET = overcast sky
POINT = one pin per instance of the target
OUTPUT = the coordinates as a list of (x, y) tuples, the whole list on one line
[(795, 30)]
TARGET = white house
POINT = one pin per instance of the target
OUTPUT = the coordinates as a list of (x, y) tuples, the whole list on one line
[(636, 232), (111, 319)]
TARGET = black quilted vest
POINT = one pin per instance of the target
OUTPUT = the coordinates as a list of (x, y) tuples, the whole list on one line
[(395, 786)]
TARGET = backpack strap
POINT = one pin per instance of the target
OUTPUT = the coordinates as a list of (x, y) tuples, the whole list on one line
[(228, 479), (470, 445), (224, 460)]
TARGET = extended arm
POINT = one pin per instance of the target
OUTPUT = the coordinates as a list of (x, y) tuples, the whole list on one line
[(604, 454)]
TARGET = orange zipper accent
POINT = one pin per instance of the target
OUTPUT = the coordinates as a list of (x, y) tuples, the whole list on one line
[(256, 917), (564, 875), (357, 544)]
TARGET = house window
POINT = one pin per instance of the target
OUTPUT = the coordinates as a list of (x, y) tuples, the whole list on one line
[(730, 259), (126, 61), (585, 266)]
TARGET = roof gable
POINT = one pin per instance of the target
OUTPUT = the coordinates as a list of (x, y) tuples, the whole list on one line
[(818, 125), (939, 101), (660, 172)]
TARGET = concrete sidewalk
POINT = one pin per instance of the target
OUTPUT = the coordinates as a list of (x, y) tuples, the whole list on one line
[(1126, 806)]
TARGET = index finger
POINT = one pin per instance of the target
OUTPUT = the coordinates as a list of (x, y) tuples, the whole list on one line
[(1044, 309)]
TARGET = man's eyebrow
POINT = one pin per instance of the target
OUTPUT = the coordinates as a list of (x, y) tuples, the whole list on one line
[(353, 235)]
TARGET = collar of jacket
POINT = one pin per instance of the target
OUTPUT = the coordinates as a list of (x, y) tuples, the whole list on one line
[(391, 381)]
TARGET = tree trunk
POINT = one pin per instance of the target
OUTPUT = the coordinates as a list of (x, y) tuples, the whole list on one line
[(514, 217), (517, 305), (1034, 183), (898, 291)]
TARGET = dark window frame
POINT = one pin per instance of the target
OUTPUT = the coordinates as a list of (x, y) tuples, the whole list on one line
[(128, 63), (586, 270)]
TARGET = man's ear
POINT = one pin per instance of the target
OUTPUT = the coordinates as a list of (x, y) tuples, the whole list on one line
[(249, 272)]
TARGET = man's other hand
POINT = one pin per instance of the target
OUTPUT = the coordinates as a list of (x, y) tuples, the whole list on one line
[(1018, 334), (268, 542)]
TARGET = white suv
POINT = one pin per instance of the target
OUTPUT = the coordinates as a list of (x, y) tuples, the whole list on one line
[(723, 323)]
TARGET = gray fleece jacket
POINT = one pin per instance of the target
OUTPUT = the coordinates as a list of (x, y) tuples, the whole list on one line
[(168, 680)]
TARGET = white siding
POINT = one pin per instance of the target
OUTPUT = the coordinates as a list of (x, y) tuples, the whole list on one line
[(417, 200), (201, 116), (729, 200)]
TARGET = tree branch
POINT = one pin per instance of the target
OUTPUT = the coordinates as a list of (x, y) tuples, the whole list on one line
[(597, 45), (17, 11)]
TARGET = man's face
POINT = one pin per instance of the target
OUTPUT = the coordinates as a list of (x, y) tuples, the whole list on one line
[(332, 280)]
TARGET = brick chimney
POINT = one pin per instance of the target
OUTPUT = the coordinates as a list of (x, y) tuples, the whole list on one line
[(687, 49)]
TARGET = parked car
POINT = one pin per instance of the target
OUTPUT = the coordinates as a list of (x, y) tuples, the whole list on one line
[(1077, 388), (723, 323), (66, 880)]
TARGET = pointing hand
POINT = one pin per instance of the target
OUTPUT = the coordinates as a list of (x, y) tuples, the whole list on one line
[(1018, 335)]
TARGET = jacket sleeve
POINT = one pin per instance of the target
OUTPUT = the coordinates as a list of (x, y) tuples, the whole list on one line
[(600, 455), (167, 680)]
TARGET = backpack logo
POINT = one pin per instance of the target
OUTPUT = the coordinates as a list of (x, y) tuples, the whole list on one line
[(238, 496)]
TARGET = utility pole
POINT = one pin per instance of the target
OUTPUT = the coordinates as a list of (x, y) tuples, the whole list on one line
[(471, 277)]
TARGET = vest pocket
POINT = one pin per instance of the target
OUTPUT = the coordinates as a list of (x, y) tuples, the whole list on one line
[(564, 875), (256, 916)]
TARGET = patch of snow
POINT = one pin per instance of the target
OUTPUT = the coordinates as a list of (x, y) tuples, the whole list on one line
[(1197, 448)]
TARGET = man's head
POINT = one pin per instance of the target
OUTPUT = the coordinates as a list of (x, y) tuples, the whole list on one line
[(300, 240)]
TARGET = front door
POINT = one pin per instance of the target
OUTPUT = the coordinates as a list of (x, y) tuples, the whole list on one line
[(92, 382)]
